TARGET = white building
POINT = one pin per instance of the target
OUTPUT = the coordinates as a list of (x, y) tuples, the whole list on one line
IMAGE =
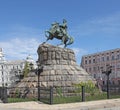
[(11, 72), (15, 71), (3, 68)]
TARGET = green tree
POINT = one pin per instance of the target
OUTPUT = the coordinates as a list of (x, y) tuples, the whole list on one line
[(26, 69)]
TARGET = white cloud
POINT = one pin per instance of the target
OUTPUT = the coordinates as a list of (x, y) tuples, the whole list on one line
[(20, 48), (20, 41)]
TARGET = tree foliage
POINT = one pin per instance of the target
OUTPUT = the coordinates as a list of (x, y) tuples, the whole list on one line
[(90, 87), (26, 69)]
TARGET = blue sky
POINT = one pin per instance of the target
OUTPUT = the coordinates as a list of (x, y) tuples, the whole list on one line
[(94, 24)]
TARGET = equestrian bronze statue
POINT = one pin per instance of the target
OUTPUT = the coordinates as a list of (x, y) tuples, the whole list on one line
[(59, 32)]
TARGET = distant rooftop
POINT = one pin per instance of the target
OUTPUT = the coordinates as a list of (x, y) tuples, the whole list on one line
[(15, 61), (112, 50)]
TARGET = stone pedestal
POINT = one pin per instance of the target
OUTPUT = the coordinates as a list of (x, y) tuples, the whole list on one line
[(59, 70), (59, 67)]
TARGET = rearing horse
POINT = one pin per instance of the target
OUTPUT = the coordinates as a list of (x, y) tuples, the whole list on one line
[(59, 32)]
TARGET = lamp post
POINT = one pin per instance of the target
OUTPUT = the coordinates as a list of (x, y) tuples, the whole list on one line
[(39, 70), (107, 72)]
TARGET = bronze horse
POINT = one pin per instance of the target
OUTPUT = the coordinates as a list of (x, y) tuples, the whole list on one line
[(59, 32)]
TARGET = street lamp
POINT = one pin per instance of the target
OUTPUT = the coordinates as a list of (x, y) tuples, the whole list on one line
[(107, 72), (38, 72)]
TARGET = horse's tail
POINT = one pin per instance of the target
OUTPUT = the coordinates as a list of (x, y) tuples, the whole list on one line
[(70, 41)]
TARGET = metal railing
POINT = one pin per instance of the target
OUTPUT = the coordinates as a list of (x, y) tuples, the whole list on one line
[(55, 95)]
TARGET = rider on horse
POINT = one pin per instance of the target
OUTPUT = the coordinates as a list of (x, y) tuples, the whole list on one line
[(60, 32)]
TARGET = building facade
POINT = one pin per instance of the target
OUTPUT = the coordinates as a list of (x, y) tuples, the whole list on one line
[(3, 73), (92, 64), (15, 71), (11, 72)]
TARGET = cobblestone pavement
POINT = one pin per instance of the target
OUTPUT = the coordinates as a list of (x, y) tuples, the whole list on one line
[(112, 104)]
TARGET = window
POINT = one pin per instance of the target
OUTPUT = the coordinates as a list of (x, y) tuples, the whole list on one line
[(85, 61), (93, 60), (89, 69), (94, 68), (113, 57), (107, 58), (103, 59), (118, 56), (89, 56), (94, 75), (89, 61), (6, 84), (103, 82)]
